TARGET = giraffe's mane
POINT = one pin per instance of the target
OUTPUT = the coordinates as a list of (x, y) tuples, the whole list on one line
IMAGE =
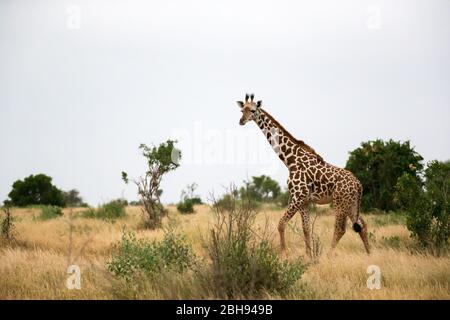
[(300, 143)]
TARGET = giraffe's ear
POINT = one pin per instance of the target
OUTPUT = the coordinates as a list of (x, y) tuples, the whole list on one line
[(240, 104), (258, 104)]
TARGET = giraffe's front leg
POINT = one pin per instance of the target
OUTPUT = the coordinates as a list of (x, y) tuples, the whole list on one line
[(290, 212)]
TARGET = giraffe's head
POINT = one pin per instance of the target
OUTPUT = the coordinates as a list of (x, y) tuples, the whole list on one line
[(249, 109)]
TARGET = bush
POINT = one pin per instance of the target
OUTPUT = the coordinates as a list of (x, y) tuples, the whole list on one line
[(188, 199), (112, 210), (378, 165), (241, 263), (50, 212), (134, 256), (35, 190), (226, 203), (109, 211), (89, 213), (196, 200), (427, 205), (186, 206)]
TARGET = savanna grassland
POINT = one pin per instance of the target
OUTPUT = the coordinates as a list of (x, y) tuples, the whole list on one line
[(35, 266)]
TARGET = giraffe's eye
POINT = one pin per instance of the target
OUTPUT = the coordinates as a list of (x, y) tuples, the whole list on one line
[(253, 111)]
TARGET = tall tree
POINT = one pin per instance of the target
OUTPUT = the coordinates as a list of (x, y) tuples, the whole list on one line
[(35, 190)]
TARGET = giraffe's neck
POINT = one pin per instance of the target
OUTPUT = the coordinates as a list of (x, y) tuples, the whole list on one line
[(283, 143)]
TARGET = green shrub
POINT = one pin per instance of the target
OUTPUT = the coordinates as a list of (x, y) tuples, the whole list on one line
[(241, 263), (134, 256), (50, 212), (378, 165), (238, 270), (186, 206), (112, 210), (109, 211), (427, 205), (226, 203), (88, 213), (188, 199), (196, 200)]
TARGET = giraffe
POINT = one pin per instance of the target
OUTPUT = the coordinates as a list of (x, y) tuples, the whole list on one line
[(311, 179)]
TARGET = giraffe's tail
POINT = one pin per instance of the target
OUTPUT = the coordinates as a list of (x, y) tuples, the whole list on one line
[(356, 223), (357, 227)]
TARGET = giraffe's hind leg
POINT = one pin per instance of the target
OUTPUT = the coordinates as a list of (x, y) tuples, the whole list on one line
[(339, 227), (364, 235)]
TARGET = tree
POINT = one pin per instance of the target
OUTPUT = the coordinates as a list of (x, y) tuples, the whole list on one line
[(427, 204), (73, 199), (160, 161), (378, 165), (261, 188), (35, 190)]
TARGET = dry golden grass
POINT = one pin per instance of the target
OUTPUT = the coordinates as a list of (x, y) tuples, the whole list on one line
[(35, 267)]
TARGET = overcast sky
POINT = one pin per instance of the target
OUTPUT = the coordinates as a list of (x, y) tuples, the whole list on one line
[(83, 83)]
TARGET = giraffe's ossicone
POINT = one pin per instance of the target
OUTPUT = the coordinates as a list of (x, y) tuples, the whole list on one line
[(311, 179)]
